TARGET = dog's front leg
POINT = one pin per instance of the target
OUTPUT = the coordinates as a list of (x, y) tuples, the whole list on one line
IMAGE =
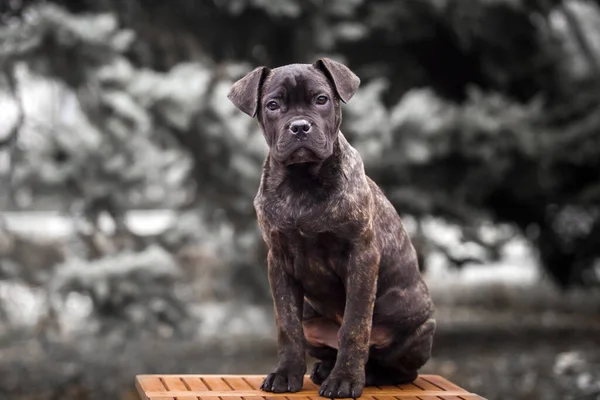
[(347, 379), (288, 298)]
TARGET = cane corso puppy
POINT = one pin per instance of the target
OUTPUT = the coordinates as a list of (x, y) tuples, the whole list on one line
[(343, 273)]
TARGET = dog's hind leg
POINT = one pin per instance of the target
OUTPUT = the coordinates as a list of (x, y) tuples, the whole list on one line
[(399, 362), (321, 336), (326, 357), (321, 343)]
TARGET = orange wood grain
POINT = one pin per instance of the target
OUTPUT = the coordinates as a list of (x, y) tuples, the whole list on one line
[(247, 387)]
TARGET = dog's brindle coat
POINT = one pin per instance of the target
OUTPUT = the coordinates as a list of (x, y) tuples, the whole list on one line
[(342, 270)]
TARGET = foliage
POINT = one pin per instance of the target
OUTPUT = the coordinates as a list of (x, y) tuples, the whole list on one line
[(458, 117)]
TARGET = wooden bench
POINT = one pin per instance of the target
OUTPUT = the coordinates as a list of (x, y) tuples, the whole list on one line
[(246, 387)]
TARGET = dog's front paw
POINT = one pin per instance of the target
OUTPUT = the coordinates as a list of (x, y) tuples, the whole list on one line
[(343, 385), (283, 380)]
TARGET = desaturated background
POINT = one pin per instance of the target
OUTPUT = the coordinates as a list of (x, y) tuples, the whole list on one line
[(128, 240)]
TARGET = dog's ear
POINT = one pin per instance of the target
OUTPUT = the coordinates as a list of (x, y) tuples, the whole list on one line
[(345, 81), (245, 93)]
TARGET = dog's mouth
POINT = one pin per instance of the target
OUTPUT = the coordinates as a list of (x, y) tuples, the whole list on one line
[(293, 150), (302, 155)]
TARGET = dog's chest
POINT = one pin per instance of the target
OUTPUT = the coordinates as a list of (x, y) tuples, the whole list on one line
[(319, 261), (297, 214)]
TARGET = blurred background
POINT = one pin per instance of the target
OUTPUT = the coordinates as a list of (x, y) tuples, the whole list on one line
[(128, 239)]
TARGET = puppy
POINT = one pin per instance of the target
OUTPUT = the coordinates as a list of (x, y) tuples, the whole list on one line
[(343, 273)]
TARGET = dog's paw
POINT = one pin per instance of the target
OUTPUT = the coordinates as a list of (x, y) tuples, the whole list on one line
[(379, 375), (283, 381), (386, 377), (342, 386), (321, 371)]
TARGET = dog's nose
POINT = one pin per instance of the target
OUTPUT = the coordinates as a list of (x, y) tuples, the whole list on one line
[(300, 126)]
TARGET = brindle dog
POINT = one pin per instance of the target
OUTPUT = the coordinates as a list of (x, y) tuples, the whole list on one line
[(342, 270)]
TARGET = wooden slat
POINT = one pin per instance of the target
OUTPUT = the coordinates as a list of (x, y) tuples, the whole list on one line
[(148, 383), (195, 384), (239, 383), (442, 383), (468, 396), (406, 388), (216, 383), (398, 390), (175, 384), (219, 384), (255, 381), (424, 384)]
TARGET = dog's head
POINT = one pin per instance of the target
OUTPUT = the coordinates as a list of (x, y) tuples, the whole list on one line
[(297, 106)]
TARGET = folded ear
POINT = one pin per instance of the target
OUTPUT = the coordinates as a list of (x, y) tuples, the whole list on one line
[(244, 94), (345, 81)]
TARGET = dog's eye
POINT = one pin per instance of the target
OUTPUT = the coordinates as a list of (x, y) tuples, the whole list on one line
[(321, 100), (272, 105)]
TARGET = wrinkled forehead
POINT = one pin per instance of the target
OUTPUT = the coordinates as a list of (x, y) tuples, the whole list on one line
[(296, 77)]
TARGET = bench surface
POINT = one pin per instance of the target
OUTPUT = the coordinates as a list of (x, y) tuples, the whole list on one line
[(247, 387)]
